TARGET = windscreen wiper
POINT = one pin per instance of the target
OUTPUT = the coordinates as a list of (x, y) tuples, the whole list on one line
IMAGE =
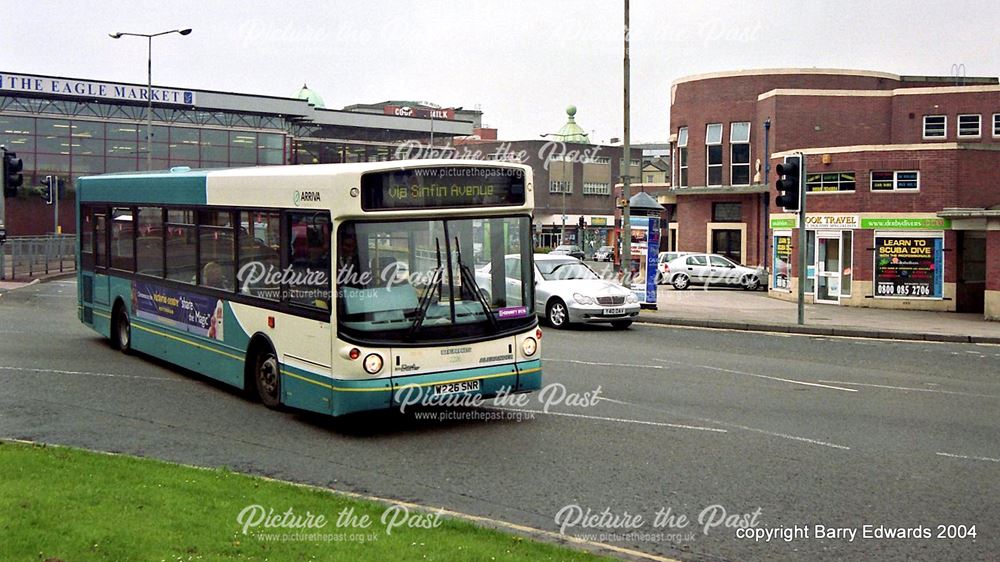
[(468, 277), (425, 299)]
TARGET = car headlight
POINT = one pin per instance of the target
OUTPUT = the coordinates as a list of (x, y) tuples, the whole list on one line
[(583, 299), (631, 298), (529, 346)]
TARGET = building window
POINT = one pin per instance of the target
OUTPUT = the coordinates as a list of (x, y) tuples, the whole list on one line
[(560, 187), (739, 148), (649, 178), (727, 212), (713, 153), (935, 126), (599, 160), (596, 188), (682, 156), (969, 126), (996, 124), (830, 181), (895, 181)]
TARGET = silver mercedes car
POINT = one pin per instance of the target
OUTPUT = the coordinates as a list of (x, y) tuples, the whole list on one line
[(567, 291)]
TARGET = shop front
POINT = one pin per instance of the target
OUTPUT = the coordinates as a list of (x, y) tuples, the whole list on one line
[(865, 260)]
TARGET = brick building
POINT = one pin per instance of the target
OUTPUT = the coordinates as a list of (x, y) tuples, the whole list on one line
[(902, 184)]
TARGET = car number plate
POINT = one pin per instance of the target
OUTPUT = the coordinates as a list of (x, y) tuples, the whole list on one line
[(455, 387), (614, 311)]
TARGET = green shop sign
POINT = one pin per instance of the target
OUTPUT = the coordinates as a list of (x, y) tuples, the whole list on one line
[(784, 223), (907, 224)]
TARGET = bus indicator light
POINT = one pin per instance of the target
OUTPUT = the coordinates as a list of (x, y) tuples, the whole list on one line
[(270, 321), (354, 353)]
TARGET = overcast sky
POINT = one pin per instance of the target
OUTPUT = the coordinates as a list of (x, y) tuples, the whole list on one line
[(520, 61)]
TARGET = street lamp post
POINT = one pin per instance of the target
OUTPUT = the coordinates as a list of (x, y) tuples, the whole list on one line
[(149, 84)]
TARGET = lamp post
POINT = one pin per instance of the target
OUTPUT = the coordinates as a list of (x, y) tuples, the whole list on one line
[(562, 233), (149, 84)]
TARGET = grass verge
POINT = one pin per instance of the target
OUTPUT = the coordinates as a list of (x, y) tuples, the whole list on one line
[(70, 505)]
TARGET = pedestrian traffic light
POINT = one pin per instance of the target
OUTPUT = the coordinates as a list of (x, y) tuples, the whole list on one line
[(12, 176), (789, 174), (48, 193)]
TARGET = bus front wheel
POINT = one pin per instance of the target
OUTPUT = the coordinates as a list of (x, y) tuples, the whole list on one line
[(267, 377), (121, 330)]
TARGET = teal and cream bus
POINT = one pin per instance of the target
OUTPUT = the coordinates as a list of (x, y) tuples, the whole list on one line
[(334, 288)]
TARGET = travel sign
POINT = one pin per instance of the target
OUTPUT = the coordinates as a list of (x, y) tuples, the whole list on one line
[(26, 83)]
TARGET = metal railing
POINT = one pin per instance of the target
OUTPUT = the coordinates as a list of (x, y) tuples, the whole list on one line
[(27, 257)]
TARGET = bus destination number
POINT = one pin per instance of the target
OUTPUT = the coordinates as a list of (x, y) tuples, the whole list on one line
[(455, 387)]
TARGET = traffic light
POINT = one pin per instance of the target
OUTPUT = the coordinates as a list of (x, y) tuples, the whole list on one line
[(789, 174), (582, 222), (12, 176), (47, 192)]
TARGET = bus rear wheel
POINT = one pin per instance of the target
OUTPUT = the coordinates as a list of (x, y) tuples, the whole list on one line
[(121, 330), (267, 378)]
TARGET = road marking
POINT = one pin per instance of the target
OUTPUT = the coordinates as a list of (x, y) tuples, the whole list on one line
[(798, 335), (735, 372), (87, 373), (915, 389), (967, 458), (603, 418), (603, 364), (737, 426)]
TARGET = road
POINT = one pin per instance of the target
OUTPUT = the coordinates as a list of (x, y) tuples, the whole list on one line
[(783, 433)]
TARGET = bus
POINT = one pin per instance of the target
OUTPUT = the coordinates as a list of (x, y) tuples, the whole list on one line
[(332, 288)]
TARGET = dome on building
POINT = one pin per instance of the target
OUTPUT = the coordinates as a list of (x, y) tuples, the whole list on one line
[(311, 97), (571, 132)]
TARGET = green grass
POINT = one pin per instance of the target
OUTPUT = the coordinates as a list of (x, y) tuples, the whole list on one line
[(64, 504)]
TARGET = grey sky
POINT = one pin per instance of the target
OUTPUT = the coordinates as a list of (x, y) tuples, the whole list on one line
[(521, 61)]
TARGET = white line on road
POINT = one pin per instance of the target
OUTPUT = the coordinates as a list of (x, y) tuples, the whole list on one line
[(737, 426), (620, 420), (967, 458), (86, 373), (934, 390), (735, 372), (603, 364)]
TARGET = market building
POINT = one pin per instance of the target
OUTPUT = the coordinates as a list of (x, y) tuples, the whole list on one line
[(902, 183), (70, 127)]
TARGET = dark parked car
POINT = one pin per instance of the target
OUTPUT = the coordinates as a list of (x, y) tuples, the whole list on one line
[(568, 250)]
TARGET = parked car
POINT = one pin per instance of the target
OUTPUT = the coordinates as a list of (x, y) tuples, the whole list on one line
[(568, 250), (604, 253), (567, 291), (710, 269), (661, 266)]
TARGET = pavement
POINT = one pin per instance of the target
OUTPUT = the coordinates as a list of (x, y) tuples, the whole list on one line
[(736, 309)]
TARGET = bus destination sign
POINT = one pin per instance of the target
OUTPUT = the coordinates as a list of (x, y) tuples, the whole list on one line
[(447, 187)]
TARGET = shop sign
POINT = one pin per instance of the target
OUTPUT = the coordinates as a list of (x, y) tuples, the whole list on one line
[(837, 222), (598, 221), (909, 267), (907, 224), (782, 222), (85, 88)]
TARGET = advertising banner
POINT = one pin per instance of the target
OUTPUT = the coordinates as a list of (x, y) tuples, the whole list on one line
[(782, 263), (909, 267), (652, 259), (189, 312)]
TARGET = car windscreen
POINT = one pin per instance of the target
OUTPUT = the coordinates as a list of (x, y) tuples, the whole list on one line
[(553, 270)]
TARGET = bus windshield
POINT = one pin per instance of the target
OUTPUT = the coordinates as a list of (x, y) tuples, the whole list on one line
[(433, 280)]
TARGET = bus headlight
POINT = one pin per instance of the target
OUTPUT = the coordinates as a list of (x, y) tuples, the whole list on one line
[(529, 346), (373, 363)]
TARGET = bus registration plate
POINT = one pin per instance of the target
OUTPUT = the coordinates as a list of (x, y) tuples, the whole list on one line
[(614, 311), (454, 387)]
